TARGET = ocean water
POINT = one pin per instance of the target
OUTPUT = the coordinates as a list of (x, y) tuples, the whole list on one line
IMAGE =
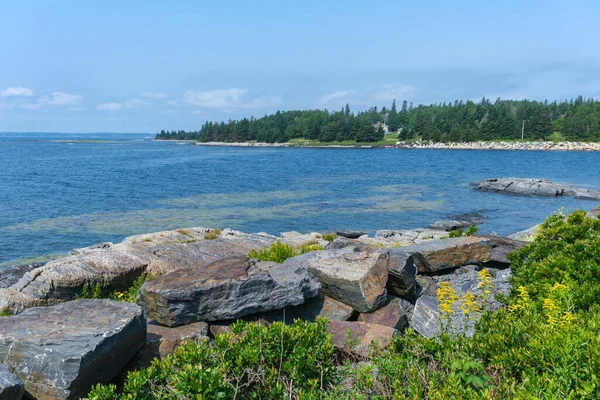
[(57, 195)]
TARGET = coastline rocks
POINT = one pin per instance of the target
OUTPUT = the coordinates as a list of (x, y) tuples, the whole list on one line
[(161, 341), (12, 275), (392, 314), (449, 225), (501, 246), (356, 337), (11, 387), (501, 145), (353, 275), (60, 351), (350, 233), (526, 235), (595, 213), (298, 239), (115, 266), (319, 306), (534, 187), (226, 289), (402, 273), (436, 255)]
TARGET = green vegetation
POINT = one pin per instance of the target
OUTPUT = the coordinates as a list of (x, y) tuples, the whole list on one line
[(471, 230), (128, 296), (458, 121), (543, 344), (330, 237), (279, 252), (5, 312), (212, 234)]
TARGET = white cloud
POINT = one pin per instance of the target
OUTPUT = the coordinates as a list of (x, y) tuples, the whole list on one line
[(109, 106), (30, 106), (61, 99), (172, 102), (340, 94), (77, 108), (393, 92), (154, 95), (229, 99), (132, 103), (16, 91)]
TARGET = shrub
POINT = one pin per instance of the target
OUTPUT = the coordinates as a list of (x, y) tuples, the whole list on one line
[(5, 312), (279, 252), (330, 237), (212, 234), (460, 232), (130, 294)]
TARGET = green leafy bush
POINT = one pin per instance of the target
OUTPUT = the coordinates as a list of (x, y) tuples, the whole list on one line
[(330, 237), (253, 362), (460, 232), (279, 252), (128, 296)]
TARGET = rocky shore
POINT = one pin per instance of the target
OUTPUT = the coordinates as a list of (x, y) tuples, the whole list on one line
[(56, 346), (500, 145)]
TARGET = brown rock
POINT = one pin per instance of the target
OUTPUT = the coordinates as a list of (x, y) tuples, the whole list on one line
[(356, 337), (392, 314), (501, 246), (161, 341)]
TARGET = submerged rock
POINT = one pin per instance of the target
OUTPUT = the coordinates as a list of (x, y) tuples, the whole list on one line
[(226, 289), (59, 352), (350, 233), (353, 275), (534, 187), (11, 387)]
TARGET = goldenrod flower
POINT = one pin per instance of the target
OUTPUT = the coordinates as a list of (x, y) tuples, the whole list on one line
[(446, 299), (558, 286), (468, 304), (485, 281)]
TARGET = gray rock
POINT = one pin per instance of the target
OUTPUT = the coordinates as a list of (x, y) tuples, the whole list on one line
[(595, 213), (437, 255), (9, 277), (353, 275), (449, 225), (319, 306), (161, 341), (501, 246), (11, 387), (402, 273), (59, 352), (391, 314), (390, 238), (526, 235), (350, 233), (297, 239), (115, 266), (425, 317), (226, 289), (534, 187)]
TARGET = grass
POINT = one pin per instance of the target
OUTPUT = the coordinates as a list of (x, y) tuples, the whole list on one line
[(279, 252), (212, 234)]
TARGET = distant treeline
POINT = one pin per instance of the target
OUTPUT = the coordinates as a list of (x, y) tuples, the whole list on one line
[(577, 119)]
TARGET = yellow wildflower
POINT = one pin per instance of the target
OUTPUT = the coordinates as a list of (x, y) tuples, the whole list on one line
[(485, 281), (550, 305), (468, 304), (446, 299), (567, 318), (558, 286)]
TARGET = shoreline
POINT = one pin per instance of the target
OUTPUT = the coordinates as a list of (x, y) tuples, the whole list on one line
[(499, 145)]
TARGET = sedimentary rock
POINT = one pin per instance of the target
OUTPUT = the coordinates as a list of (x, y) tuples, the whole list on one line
[(319, 306), (425, 318), (526, 235), (9, 277), (161, 341), (391, 314), (437, 255), (11, 387), (350, 233), (226, 289), (59, 352), (449, 225), (595, 213), (298, 239), (353, 275), (404, 237), (356, 337), (501, 246), (402, 273), (534, 187), (115, 266)]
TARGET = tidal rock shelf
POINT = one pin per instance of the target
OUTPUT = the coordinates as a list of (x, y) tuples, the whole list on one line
[(534, 187)]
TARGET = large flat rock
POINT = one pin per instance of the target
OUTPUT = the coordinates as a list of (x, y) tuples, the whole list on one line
[(437, 255), (534, 187), (115, 266), (230, 288), (59, 352), (11, 387), (501, 247), (354, 275)]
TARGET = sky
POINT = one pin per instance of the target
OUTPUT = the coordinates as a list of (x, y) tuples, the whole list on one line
[(143, 66)]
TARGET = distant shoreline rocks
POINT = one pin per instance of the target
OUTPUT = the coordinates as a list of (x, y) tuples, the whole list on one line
[(533, 146)]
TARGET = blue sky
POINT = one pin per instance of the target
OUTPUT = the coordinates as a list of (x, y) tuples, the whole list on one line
[(142, 66)]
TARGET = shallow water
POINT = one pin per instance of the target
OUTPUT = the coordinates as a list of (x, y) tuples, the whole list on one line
[(55, 196)]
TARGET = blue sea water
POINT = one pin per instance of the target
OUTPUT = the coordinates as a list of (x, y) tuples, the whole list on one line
[(56, 195)]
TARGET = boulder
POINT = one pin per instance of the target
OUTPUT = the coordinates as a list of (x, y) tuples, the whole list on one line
[(526, 235), (394, 238), (402, 273), (534, 187), (60, 351), (161, 341), (425, 316), (297, 239), (449, 225), (357, 337), (392, 314), (350, 233), (501, 246), (10, 276), (226, 289), (353, 275), (115, 266), (595, 213), (319, 306), (437, 255), (11, 387)]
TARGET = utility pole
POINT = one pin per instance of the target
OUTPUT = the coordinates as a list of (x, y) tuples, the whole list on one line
[(523, 130)]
